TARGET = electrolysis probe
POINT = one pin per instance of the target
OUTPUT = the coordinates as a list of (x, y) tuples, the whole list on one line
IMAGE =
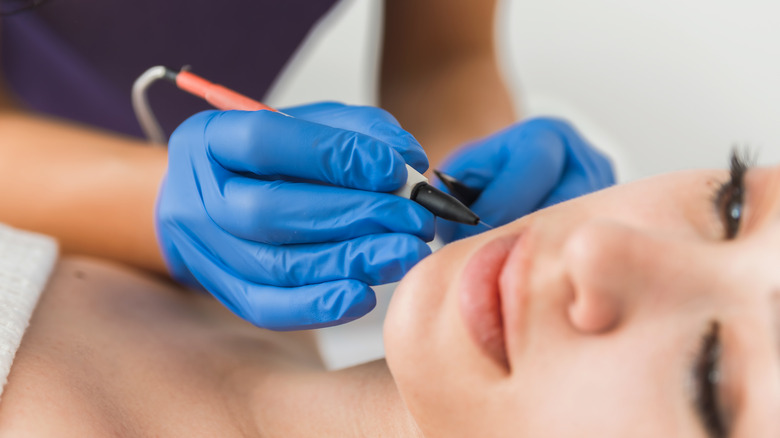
[(416, 188)]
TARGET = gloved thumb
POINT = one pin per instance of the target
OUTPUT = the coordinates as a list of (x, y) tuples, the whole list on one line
[(476, 163)]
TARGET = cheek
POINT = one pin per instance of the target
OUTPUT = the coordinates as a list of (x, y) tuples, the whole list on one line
[(415, 312), (417, 352), (611, 387), (419, 299)]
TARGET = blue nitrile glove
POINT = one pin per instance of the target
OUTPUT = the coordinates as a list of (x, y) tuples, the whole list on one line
[(262, 210), (528, 166)]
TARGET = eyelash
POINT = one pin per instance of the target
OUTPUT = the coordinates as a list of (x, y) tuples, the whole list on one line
[(728, 202), (707, 376), (730, 195)]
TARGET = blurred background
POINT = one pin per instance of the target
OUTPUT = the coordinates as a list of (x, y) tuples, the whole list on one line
[(659, 86)]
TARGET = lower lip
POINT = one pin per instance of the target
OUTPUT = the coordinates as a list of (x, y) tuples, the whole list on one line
[(480, 298)]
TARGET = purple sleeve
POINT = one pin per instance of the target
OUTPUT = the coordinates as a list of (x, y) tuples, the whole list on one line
[(77, 59)]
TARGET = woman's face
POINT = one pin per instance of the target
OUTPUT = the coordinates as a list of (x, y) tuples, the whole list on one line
[(629, 312)]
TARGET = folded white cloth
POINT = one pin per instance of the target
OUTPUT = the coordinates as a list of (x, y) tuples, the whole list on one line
[(26, 262)]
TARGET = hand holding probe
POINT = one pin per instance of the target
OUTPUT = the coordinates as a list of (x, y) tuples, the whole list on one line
[(288, 220), (416, 187)]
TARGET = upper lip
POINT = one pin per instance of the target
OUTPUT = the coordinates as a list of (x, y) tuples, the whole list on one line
[(484, 306), (513, 293)]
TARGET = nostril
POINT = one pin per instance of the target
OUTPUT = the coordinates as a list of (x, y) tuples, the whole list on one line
[(593, 312), (600, 257)]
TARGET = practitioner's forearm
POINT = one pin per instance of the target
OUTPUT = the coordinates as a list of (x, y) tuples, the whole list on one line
[(448, 108), (94, 191), (440, 74)]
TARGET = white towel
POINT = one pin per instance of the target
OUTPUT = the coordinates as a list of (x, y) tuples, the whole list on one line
[(26, 262)]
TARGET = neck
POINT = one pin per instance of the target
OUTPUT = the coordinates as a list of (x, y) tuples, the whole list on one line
[(354, 402)]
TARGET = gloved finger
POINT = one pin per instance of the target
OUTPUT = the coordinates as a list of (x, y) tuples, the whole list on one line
[(529, 175), (571, 186), (281, 212), (270, 144), (587, 169), (374, 259), (584, 156), (528, 159), (519, 190), (308, 307), (368, 120), (277, 308), (578, 180), (477, 163)]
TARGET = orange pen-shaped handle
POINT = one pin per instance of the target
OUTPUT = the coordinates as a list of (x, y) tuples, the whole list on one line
[(220, 97)]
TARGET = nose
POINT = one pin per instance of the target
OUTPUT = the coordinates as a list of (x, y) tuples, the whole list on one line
[(613, 269)]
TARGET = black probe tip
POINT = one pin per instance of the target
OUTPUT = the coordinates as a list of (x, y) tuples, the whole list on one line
[(460, 191), (443, 205)]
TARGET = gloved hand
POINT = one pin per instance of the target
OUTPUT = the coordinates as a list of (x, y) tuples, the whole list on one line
[(526, 167), (286, 220)]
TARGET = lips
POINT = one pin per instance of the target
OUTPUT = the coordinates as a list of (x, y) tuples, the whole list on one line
[(480, 297)]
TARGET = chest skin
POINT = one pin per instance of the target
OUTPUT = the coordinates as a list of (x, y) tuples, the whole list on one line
[(111, 352)]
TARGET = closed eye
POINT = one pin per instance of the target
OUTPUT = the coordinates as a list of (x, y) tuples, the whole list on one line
[(706, 375)]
